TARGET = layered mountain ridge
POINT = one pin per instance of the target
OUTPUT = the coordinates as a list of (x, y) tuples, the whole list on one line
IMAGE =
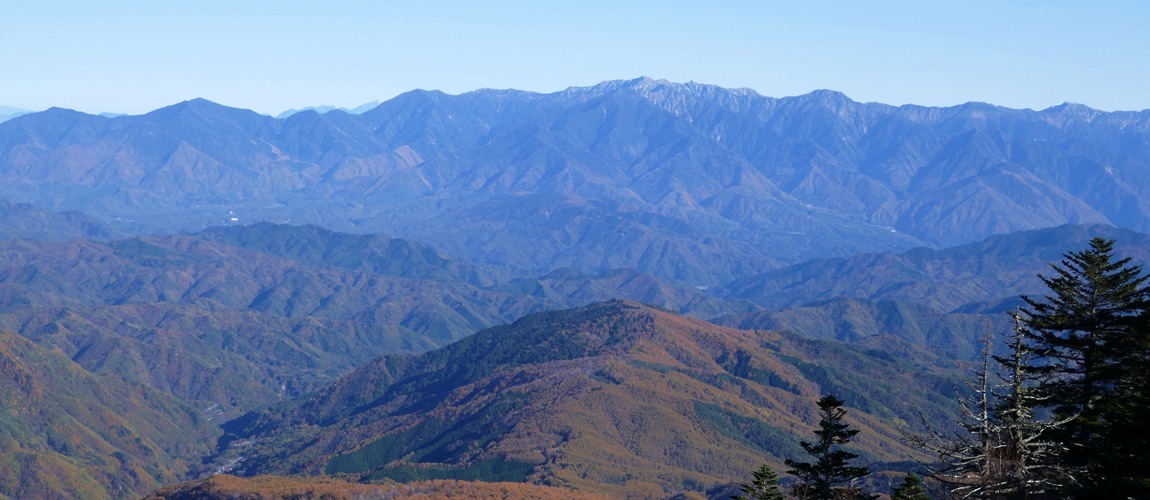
[(976, 277), (233, 318), (615, 398), (688, 182)]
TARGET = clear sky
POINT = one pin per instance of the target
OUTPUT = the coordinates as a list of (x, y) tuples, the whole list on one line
[(122, 56)]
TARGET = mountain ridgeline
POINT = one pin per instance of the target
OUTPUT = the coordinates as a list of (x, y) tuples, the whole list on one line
[(615, 398), (203, 288), (981, 277), (233, 318), (356, 356), (692, 183)]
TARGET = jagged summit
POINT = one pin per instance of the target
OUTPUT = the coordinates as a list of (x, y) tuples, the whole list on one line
[(1075, 110), (646, 86)]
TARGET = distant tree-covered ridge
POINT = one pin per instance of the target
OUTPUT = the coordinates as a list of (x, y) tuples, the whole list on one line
[(235, 318), (616, 398)]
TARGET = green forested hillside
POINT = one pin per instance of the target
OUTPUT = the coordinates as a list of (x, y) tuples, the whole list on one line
[(65, 433)]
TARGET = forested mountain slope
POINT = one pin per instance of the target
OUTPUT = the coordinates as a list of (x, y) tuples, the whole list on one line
[(65, 433), (21, 221), (953, 335), (617, 398), (230, 328), (687, 182), (974, 277)]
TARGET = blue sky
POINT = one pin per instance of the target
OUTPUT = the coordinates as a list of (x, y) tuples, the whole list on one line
[(269, 56)]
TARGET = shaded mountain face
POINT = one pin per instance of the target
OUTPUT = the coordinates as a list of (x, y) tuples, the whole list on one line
[(614, 398), (687, 182), (982, 277), (70, 434), (372, 253), (953, 335), (234, 318), (21, 221)]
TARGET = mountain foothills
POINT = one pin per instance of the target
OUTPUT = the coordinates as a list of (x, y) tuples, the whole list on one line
[(230, 328), (232, 318), (692, 183), (615, 398)]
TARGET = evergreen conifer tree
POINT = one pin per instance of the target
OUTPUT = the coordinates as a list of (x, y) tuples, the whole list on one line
[(764, 485), (910, 489), (1087, 331), (821, 479), (1125, 462)]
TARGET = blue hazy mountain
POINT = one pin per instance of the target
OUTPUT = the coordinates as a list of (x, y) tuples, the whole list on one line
[(8, 113), (694, 183), (362, 108)]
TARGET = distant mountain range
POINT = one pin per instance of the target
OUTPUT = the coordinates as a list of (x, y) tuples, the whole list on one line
[(362, 108), (8, 113), (691, 183)]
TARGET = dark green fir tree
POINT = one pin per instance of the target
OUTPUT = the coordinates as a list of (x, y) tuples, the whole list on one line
[(830, 476), (764, 485), (1089, 332), (910, 489)]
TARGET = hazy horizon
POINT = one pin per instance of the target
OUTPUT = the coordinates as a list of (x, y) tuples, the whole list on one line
[(131, 57), (326, 107)]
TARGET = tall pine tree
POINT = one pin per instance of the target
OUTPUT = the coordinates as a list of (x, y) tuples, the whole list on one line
[(1087, 331), (1125, 460), (830, 476)]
